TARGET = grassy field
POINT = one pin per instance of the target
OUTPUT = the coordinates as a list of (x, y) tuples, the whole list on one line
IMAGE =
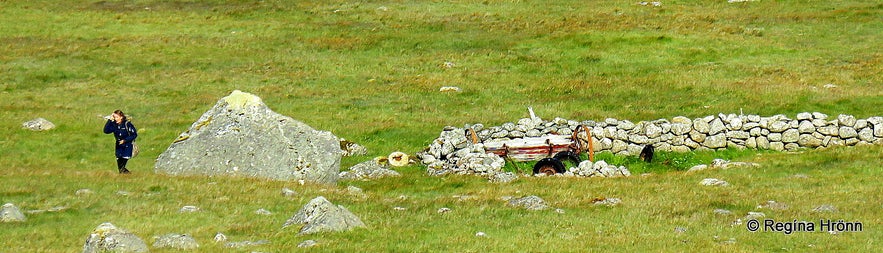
[(370, 71)]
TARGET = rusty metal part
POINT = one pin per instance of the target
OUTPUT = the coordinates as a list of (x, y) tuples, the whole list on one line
[(579, 146), (471, 134)]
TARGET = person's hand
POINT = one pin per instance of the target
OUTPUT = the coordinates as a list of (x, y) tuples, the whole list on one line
[(122, 141)]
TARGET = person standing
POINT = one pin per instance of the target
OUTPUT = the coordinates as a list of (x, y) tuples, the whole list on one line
[(124, 133)]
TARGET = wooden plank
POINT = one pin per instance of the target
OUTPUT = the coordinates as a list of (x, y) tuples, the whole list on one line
[(529, 148)]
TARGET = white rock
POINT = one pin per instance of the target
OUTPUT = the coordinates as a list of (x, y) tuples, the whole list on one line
[(449, 89)]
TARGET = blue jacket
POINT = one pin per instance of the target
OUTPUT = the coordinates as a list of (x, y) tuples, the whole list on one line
[(125, 131)]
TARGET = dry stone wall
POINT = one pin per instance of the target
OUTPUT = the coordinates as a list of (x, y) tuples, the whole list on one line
[(679, 134)]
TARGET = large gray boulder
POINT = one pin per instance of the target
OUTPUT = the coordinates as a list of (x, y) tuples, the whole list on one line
[(241, 136), (108, 238), (320, 215)]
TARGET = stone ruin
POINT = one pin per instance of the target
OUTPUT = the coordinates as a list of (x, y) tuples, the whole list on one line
[(241, 136), (452, 152)]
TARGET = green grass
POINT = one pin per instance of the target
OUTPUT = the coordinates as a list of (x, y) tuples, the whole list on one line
[(370, 71)]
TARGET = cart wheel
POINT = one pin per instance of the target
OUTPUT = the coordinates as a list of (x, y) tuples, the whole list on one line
[(568, 155), (548, 166)]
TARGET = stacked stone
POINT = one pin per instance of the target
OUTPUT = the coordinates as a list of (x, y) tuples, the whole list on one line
[(680, 134), (597, 169), (453, 153)]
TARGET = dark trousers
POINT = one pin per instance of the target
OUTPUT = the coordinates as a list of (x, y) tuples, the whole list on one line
[(121, 164)]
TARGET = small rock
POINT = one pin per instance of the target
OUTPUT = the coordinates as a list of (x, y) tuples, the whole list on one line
[(606, 201), (189, 209), (680, 230), (398, 208), (754, 216), (559, 210), (320, 215), (722, 212), (801, 176), (444, 210), (714, 182), (38, 124), (307, 244), (773, 205), (449, 89), (288, 192), (108, 238), (175, 241), (84, 192), (503, 177), (11, 213), (532, 203), (824, 209), (263, 212), (246, 243), (698, 168), (219, 237), (480, 234)]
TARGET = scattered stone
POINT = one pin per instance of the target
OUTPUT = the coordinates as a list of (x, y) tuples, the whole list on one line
[(398, 208), (219, 237), (698, 168), (800, 176), (480, 234), (351, 148), (714, 182), (606, 201), (773, 205), (175, 241), (444, 210), (559, 210), (722, 212), (263, 212), (38, 124), (246, 244), (108, 238), (730, 240), (81, 192), (449, 89), (189, 209), (11, 213), (307, 244), (754, 216), (320, 215), (503, 177), (123, 193), (368, 170), (355, 191), (288, 192), (531, 203), (825, 209), (241, 136), (680, 230)]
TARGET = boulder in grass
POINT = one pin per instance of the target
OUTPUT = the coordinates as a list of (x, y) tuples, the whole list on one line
[(175, 241), (241, 136), (11, 213), (531, 203), (108, 238), (320, 215), (38, 124)]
